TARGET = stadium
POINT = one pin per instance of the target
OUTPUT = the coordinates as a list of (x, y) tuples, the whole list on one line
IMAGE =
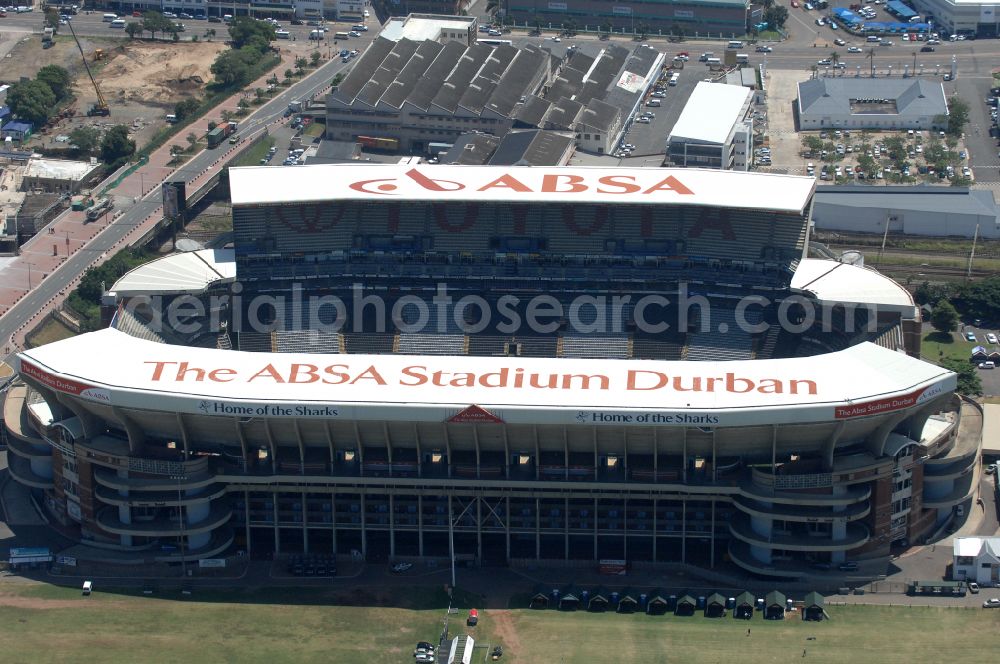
[(500, 365)]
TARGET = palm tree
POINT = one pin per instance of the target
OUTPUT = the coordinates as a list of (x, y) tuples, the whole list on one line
[(835, 58), (814, 69), (492, 7)]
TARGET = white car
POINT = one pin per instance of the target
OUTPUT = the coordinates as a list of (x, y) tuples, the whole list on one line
[(992, 603), (854, 49), (991, 338), (399, 568)]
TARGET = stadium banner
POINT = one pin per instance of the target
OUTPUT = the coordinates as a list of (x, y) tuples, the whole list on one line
[(861, 381)]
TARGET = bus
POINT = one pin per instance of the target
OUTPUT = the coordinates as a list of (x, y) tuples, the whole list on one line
[(495, 42)]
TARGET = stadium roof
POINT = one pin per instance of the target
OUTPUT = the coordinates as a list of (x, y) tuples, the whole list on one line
[(972, 546), (112, 368), (831, 281), (191, 272), (261, 185), (710, 113), (942, 200)]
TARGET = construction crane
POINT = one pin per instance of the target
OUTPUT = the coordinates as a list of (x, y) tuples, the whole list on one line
[(100, 107)]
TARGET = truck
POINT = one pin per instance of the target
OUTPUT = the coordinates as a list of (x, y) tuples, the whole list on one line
[(295, 106), (99, 208), (220, 133), (379, 143), (81, 203), (47, 35)]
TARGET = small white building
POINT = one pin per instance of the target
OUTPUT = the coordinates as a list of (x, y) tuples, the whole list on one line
[(57, 176), (976, 559), (433, 27), (714, 130)]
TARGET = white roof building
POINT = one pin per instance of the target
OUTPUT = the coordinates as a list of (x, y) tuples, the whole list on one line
[(439, 28), (56, 175), (976, 559), (713, 129)]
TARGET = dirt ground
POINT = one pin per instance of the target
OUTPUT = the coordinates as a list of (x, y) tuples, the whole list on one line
[(141, 81)]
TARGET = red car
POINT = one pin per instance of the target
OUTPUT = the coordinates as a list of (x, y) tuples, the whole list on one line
[(137, 14), (473, 618), (794, 3)]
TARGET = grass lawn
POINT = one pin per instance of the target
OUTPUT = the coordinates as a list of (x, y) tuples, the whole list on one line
[(253, 156), (52, 329), (44, 623), (314, 129), (937, 345)]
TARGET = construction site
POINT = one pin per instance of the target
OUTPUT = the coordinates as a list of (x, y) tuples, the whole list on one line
[(141, 81)]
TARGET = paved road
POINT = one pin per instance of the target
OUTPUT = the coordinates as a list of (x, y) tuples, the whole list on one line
[(59, 282)]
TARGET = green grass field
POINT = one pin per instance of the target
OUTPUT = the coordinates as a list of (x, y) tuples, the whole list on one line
[(937, 345), (48, 624)]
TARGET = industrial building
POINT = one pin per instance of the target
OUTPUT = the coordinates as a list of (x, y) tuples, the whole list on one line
[(715, 129), (415, 93), (526, 147), (963, 17), (919, 210), (769, 449), (57, 176), (872, 103), (716, 18)]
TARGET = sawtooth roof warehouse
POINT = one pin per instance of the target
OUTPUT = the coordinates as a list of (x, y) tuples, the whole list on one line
[(765, 448)]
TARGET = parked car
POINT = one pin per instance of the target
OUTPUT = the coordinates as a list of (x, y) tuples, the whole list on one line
[(970, 336), (973, 587), (399, 568), (839, 42), (992, 603), (990, 337), (473, 618)]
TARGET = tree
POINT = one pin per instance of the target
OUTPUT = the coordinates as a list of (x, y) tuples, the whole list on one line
[(288, 73), (133, 29), (31, 100), (86, 139), (314, 58), (226, 114), (246, 31), (176, 151), (775, 16), (300, 64), (212, 124), (958, 116), (243, 104), (57, 78), (192, 140), (186, 108), (116, 145), (835, 58), (52, 18), (969, 382), (944, 317), (232, 68), (153, 22)]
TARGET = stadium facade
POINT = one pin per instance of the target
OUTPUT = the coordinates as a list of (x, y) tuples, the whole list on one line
[(626, 365)]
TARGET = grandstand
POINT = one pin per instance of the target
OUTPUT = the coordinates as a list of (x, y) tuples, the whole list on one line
[(647, 415)]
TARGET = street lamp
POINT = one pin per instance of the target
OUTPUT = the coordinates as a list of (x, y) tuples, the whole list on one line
[(29, 274), (180, 521)]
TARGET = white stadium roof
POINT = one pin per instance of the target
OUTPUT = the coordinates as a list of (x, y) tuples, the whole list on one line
[(190, 272), (710, 112), (114, 369), (832, 281), (261, 185)]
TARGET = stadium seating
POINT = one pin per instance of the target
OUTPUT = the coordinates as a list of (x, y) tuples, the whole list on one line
[(431, 344), (306, 341), (726, 340), (596, 346), (370, 344), (255, 342)]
